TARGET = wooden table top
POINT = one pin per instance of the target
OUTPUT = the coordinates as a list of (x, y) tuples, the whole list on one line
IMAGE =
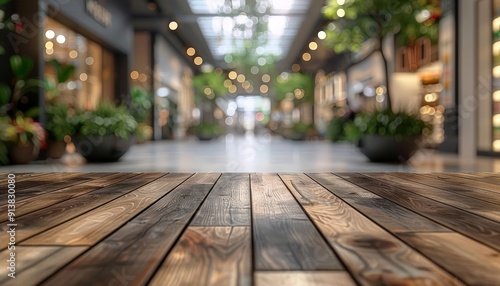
[(253, 229)]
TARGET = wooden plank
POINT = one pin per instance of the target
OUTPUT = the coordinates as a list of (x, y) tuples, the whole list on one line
[(39, 221), (209, 256), (482, 177), (39, 202), (284, 238), (42, 179), (91, 227), (300, 278), (36, 263), (391, 216), (466, 203), (450, 178), (228, 203), (466, 192), (56, 184), (19, 176), (136, 250), (472, 262), (31, 184), (372, 255), (476, 227)]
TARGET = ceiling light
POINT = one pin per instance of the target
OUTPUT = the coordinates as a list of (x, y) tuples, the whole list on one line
[(306, 57), (313, 46), (296, 67), (173, 25), (341, 13), (50, 34), (191, 51), (232, 75), (198, 61), (322, 35), (266, 78), (61, 39)]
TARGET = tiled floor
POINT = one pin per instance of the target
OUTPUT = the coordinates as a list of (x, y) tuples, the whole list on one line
[(257, 154)]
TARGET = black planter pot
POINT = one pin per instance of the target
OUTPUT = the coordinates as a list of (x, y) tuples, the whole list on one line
[(102, 149), (388, 149)]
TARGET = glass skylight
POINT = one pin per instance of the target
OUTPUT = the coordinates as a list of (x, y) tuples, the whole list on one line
[(270, 26)]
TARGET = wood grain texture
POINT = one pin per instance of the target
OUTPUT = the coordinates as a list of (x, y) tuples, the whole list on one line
[(138, 248), (372, 255), (39, 202), (492, 178), (46, 183), (36, 263), (472, 262), (460, 190), (476, 227), (44, 219), (452, 179), (472, 205), (284, 238), (209, 256), (89, 228), (390, 215), (228, 203), (301, 278), (19, 177)]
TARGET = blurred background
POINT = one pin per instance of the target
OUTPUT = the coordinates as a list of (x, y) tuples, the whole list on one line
[(249, 85)]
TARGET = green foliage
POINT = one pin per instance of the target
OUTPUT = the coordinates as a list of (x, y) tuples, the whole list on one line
[(386, 123), (4, 151), (208, 130), (107, 119), (212, 80), (58, 123), (140, 103), (355, 21), (63, 71), (302, 128), (286, 86), (336, 129), (21, 66)]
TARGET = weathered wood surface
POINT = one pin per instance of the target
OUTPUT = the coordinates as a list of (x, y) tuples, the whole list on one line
[(284, 237), (254, 229), (370, 253)]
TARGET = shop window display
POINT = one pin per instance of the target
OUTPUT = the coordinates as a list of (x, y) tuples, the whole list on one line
[(93, 80)]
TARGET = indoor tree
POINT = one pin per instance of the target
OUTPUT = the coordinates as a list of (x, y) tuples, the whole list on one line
[(355, 21)]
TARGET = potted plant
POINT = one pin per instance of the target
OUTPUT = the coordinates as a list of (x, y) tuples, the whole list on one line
[(23, 137), (103, 134), (207, 131), (355, 22), (386, 135), (299, 131), (59, 129), (57, 122)]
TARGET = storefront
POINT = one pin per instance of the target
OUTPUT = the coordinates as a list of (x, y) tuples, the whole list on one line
[(93, 36), (488, 77), (161, 70), (480, 86)]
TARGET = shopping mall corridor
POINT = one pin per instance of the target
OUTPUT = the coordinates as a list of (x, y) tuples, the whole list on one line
[(256, 153)]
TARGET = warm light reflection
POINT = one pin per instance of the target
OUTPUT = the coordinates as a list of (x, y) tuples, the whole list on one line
[(198, 61), (306, 57), (134, 75), (313, 46), (173, 25), (191, 51)]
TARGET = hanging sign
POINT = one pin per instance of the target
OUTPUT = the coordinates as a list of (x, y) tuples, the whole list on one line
[(98, 12)]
